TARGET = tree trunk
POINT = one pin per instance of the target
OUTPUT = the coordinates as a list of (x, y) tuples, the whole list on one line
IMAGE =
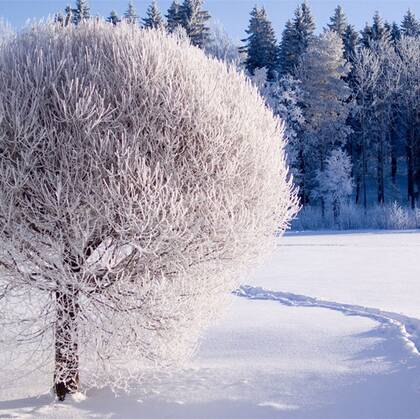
[(66, 375), (380, 174), (364, 170), (410, 171)]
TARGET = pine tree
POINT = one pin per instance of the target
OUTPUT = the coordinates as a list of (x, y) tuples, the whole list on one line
[(130, 16), (380, 33), (173, 17), (376, 34), (366, 35), (261, 45), (304, 28), (286, 52), (338, 22), (395, 33), (297, 39), (193, 20), (81, 12), (113, 18), (410, 26), (350, 42), (153, 20)]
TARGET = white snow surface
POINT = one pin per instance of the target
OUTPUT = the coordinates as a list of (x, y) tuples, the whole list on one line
[(328, 328)]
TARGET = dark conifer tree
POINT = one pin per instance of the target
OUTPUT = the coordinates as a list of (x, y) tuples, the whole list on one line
[(298, 37), (366, 35), (410, 26), (380, 33), (153, 19), (350, 43), (81, 12), (286, 52), (338, 21), (173, 16), (261, 46)]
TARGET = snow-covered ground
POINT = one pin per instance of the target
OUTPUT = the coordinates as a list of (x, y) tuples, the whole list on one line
[(327, 328)]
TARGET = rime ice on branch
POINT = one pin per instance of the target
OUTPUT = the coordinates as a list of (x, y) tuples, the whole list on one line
[(138, 178)]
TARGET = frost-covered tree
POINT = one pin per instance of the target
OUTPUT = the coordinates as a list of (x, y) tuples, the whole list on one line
[(284, 96), (410, 26), (113, 18), (194, 20), (338, 21), (322, 72), (173, 17), (126, 214), (153, 19), (6, 32), (81, 11), (334, 185), (261, 45), (131, 16), (221, 46)]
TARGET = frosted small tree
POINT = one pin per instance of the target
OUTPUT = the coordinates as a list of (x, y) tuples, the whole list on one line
[(334, 183), (130, 16), (221, 46), (128, 213)]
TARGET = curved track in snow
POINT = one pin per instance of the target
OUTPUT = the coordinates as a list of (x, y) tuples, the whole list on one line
[(407, 327)]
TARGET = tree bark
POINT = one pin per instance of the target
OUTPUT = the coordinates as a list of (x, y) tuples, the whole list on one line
[(66, 375), (410, 171)]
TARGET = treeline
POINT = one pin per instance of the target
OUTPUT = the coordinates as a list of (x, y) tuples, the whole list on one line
[(188, 17), (350, 100)]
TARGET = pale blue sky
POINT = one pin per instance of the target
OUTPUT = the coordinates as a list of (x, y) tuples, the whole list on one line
[(233, 14)]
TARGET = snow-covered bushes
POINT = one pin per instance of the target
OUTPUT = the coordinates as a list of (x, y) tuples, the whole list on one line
[(137, 179), (353, 217)]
